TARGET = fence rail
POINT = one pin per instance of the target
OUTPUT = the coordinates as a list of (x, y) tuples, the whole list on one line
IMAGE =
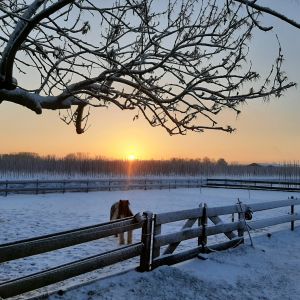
[(62, 186), (42, 244), (150, 246), (276, 185), (80, 185), (50, 276)]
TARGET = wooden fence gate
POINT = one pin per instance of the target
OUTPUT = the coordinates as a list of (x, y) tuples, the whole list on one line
[(234, 230)]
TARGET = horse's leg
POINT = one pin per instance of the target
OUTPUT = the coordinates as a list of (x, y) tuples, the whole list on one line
[(129, 237), (114, 214), (116, 235), (121, 238)]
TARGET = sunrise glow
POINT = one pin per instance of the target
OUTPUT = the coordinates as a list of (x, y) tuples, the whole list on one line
[(131, 157)]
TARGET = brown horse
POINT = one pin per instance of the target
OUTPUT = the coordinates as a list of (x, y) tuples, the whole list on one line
[(121, 210)]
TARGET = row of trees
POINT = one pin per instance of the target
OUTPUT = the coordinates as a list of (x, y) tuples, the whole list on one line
[(31, 165)]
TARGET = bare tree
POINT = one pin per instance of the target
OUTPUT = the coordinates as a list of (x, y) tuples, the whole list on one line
[(178, 62)]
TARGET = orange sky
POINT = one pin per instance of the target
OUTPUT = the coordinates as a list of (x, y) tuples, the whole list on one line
[(267, 132)]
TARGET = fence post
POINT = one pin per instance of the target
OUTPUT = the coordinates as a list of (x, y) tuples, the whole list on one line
[(37, 186), (292, 213), (157, 231), (145, 258), (203, 237), (6, 188), (199, 224), (241, 216)]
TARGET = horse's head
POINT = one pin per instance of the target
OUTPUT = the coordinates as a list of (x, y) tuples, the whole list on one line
[(124, 207), (124, 203)]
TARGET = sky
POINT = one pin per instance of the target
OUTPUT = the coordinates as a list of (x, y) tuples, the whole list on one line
[(266, 131)]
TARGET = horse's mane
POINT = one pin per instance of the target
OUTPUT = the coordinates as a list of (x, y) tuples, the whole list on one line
[(121, 210), (124, 209)]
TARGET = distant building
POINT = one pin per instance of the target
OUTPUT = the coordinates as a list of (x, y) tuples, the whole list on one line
[(254, 165)]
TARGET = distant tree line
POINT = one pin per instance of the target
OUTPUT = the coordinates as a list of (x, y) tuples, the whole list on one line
[(32, 165)]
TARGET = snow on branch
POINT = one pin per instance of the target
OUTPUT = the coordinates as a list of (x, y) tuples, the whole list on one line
[(178, 63)]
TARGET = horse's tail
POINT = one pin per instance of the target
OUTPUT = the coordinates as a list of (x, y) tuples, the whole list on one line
[(113, 209)]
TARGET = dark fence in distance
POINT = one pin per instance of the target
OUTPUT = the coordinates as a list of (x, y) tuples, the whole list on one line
[(84, 185), (275, 185), (62, 186)]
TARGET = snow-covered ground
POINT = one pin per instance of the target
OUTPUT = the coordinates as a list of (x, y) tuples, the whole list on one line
[(270, 270), (26, 216)]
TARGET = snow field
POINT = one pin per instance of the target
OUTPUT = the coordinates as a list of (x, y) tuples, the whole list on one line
[(26, 216), (270, 270)]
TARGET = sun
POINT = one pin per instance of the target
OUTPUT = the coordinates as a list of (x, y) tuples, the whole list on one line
[(132, 157)]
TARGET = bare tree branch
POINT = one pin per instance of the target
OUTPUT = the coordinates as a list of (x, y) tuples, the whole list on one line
[(269, 11), (178, 63)]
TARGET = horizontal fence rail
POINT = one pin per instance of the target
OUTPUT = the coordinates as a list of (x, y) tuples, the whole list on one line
[(178, 215), (226, 210), (35, 281), (61, 240), (151, 244), (276, 185), (171, 259), (254, 182), (63, 186)]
